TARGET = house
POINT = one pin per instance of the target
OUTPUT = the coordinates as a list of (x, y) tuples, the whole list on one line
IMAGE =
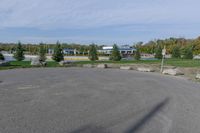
[(67, 51), (50, 51), (124, 50)]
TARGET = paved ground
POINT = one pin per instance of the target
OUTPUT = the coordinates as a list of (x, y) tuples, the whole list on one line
[(62, 100)]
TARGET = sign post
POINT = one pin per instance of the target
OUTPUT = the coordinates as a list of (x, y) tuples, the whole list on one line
[(163, 57)]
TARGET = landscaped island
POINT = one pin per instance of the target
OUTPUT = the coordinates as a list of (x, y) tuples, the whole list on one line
[(173, 52)]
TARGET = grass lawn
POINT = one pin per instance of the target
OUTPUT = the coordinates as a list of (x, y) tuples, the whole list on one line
[(120, 62), (183, 62), (170, 62), (26, 64)]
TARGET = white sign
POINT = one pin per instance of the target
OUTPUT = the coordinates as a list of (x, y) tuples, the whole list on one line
[(164, 52)]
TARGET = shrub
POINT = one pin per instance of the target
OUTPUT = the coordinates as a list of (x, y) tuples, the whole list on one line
[(188, 53), (19, 52), (115, 56), (137, 55), (1, 57), (58, 53), (176, 52), (42, 53), (158, 52), (93, 53)]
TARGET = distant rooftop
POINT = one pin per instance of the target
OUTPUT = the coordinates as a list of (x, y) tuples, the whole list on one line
[(123, 47)]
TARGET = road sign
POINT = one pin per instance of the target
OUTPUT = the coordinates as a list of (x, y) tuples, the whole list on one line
[(163, 57), (164, 52)]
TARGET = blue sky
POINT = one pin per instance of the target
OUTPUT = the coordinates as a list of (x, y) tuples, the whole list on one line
[(97, 21)]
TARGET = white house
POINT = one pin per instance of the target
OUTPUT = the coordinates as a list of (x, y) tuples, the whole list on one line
[(124, 50), (67, 51)]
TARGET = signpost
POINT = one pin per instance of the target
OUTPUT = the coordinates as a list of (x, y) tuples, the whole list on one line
[(163, 57)]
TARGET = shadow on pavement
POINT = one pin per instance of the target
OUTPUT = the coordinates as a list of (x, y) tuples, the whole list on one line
[(136, 127), (133, 129)]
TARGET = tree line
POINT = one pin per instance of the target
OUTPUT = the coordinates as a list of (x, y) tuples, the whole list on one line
[(33, 49), (177, 47), (181, 45), (58, 54)]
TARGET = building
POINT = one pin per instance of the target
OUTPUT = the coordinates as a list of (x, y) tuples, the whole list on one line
[(50, 51), (124, 50), (67, 51)]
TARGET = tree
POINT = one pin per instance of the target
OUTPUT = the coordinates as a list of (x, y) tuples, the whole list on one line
[(82, 50), (58, 53), (188, 53), (158, 52), (19, 52), (1, 56), (176, 52), (115, 56), (42, 53), (137, 55), (93, 53)]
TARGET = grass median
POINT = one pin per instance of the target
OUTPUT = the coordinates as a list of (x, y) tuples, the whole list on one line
[(26, 64), (169, 62)]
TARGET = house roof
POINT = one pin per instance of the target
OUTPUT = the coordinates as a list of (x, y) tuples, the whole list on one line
[(121, 49)]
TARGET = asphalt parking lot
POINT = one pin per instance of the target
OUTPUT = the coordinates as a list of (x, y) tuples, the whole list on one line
[(85, 100)]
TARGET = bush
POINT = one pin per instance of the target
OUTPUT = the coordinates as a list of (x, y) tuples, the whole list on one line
[(93, 53), (19, 53), (42, 53), (115, 56), (137, 55), (188, 53), (1, 57), (158, 52), (176, 52), (58, 53)]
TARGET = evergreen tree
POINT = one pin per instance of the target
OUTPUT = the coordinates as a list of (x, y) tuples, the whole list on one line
[(137, 55), (158, 52), (93, 53), (115, 56), (1, 56), (58, 53), (188, 53), (176, 52), (82, 50), (19, 52), (42, 53)]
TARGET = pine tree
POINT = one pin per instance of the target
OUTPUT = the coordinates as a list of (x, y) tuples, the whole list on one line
[(1, 56), (93, 53), (188, 53), (158, 52), (82, 50), (176, 52), (58, 53), (19, 52), (137, 55), (115, 56), (42, 53)]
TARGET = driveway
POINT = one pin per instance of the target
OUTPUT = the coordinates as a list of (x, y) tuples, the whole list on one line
[(85, 100)]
